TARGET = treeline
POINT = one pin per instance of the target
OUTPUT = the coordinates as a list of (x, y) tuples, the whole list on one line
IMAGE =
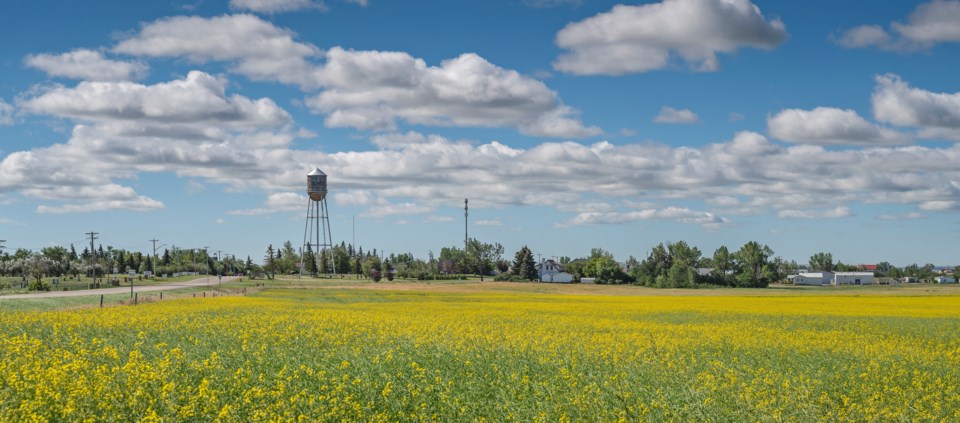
[(58, 261), (670, 265)]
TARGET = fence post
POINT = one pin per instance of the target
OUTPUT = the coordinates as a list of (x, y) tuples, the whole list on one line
[(101, 300), (161, 295), (134, 299)]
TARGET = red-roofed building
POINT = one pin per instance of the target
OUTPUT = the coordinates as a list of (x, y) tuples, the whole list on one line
[(867, 267)]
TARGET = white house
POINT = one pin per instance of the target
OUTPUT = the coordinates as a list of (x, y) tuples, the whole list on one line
[(811, 278), (945, 279), (551, 271), (853, 278)]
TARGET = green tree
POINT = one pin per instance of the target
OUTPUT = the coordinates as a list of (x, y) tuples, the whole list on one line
[(753, 266), (482, 257), (821, 261), (723, 265), (523, 264), (309, 261), (270, 262), (372, 267)]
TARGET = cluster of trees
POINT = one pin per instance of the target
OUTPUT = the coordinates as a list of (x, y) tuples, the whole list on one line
[(58, 261)]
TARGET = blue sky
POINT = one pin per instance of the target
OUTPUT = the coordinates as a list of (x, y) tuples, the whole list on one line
[(808, 126)]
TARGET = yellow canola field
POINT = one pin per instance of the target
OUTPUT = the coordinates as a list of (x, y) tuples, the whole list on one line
[(362, 355)]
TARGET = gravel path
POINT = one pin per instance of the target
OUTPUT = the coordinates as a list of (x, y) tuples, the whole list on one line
[(204, 281)]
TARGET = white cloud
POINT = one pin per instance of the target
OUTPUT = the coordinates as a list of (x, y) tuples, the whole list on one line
[(397, 209), (489, 222), (220, 221), (257, 48), (936, 114), (439, 219), (6, 113), (930, 23), (276, 203), (276, 6), (631, 39), (680, 214), (368, 90), (830, 126), (670, 115), (373, 89), (139, 203), (902, 216), (864, 36), (940, 205), (198, 98), (88, 65), (361, 3), (834, 213)]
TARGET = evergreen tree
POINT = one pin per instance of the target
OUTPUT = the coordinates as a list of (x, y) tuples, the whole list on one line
[(523, 264), (309, 261), (269, 262), (73, 253), (324, 265)]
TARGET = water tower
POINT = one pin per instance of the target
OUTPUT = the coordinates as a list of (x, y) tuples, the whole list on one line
[(318, 219)]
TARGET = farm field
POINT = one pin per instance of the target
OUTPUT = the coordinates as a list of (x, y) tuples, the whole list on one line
[(491, 352)]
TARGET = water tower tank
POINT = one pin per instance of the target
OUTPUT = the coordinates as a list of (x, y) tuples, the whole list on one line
[(317, 185)]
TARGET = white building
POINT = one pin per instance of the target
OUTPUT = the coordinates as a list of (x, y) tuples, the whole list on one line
[(945, 279), (812, 278), (551, 271), (853, 278)]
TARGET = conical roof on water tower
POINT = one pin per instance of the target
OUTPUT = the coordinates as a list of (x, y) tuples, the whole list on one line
[(317, 184)]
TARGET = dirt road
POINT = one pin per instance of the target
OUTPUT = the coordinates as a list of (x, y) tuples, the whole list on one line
[(204, 281)]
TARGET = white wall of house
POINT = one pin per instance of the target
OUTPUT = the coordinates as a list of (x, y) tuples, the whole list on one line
[(807, 279), (853, 278), (559, 277), (945, 279)]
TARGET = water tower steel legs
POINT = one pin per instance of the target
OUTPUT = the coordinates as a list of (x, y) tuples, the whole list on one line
[(318, 219)]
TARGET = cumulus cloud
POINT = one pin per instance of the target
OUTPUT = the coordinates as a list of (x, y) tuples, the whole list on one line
[(256, 48), (6, 113), (670, 115), (830, 126), (88, 65), (276, 6), (197, 98), (936, 114), (367, 90), (373, 89), (99, 198), (632, 39), (929, 24), (489, 222), (834, 213), (680, 214)]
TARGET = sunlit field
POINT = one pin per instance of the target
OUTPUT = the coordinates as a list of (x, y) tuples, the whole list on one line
[(493, 352)]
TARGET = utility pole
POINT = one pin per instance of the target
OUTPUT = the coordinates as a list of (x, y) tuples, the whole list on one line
[(466, 239), (154, 270), (93, 255), (219, 266), (206, 264)]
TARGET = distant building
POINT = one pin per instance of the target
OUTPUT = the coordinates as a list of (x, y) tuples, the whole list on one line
[(853, 278), (551, 271), (945, 279), (811, 278)]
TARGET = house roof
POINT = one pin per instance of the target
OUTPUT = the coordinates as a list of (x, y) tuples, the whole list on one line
[(316, 171)]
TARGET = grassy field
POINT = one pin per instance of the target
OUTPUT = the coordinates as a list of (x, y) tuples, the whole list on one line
[(492, 352)]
